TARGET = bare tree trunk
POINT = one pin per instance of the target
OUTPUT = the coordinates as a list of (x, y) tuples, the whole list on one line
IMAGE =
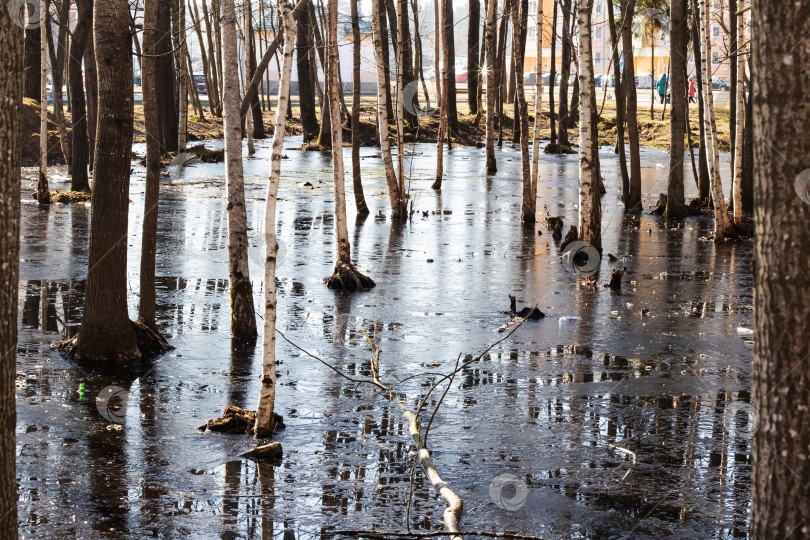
[(553, 75), (531, 193), (618, 91), (398, 204), (214, 97), (704, 193), (106, 333), (437, 70), (43, 194), (80, 153), (57, 56), (243, 317), (633, 202), (733, 45), (652, 70), (11, 88), (450, 91), (382, 12), (781, 468), (32, 58), (265, 416), (473, 44), (359, 197), (306, 86), (181, 62), (518, 61), (443, 118), (207, 71), (417, 44), (565, 73), (590, 209), (679, 32), (250, 65), (739, 59), (167, 79), (722, 224), (492, 88), (401, 20), (345, 275)]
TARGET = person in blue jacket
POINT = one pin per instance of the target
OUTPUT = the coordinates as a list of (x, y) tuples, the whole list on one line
[(662, 87)]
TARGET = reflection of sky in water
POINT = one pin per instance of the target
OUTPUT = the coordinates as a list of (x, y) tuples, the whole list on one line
[(671, 385)]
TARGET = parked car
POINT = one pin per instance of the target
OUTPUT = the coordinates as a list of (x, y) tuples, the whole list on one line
[(199, 82), (530, 79), (461, 77), (644, 80), (609, 79), (721, 83)]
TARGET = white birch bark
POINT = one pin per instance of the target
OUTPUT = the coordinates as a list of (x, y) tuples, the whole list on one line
[(397, 206), (492, 91), (590, 210), (267, 394), (538, 100), (243, 317), (722, 224), (43, 194), (738, 128), (333, 68)]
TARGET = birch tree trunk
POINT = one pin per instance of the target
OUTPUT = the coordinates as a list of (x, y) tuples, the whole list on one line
[(357, 181), (738, 128), (11, 88), (492, 89), (183, 91), (398, 207), (529, 203), (437, 184), (722, 224), (345, 276), (781, 466), (538, 111), (402, 16), (265, 416), (243, 317), (43, 194), (590, 209), (620, 102)]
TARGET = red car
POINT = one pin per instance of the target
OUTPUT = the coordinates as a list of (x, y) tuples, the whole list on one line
[(461, 77)]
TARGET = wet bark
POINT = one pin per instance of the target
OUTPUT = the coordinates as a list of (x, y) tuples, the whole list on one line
[(396, 199), (11, 88), (633, 201), (781, 470), (492, 94), (590, 209), (357, 181), (529, 197), (265, 411), (243, 318), (79, 137), (618, 91), (473, 45), (306, 86), (676, 207), (106, 333)]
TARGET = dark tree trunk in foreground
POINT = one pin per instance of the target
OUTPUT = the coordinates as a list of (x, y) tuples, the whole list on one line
[(32, 58), (780, 479), (81, 146), (473, 44), (565, 73), (166, 88), (306, 86), (359, 198), (748, 150), (489, 43), (11, 88), (106, 332), (676, 207), (633, 201)]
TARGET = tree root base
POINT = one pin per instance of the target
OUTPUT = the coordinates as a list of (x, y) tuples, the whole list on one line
[(347, 278), (238, 421), (149, 344)]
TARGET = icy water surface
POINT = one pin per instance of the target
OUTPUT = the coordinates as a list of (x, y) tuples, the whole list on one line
[(527, 437)]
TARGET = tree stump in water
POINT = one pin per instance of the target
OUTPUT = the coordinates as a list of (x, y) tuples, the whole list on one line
[(616, 279), (660, 208), (238, 421), (555, 223), (347, 278), (270, 452), (571, 236)]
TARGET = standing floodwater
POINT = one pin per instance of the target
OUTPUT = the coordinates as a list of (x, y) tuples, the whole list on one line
[(534, 438)]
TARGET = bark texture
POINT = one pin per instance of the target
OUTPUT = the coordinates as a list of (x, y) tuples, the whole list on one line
[(80, 153), (243, 317), (106, 332), (780, 500), (590, 209), (676, 207), (633, 201), (492, 94), (11, 88)]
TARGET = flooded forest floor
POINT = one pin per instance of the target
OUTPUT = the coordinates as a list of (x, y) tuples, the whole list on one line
[(527, 437)]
